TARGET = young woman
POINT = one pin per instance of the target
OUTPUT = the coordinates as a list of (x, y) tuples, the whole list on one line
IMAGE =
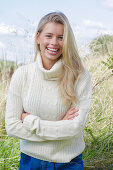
[(48, 101)]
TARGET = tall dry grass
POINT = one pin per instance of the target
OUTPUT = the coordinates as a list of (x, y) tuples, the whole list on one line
[(98, 131)]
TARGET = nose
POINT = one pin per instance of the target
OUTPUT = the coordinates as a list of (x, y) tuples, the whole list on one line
[(54, 41)]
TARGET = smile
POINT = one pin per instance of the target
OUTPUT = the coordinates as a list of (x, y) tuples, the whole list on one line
[(53, 50)]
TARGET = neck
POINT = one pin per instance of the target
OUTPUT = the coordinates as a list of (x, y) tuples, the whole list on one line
[(50, 71), (48, 64)]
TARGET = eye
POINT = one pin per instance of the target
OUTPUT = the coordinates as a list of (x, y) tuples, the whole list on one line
[(60, 37), (48, 36)]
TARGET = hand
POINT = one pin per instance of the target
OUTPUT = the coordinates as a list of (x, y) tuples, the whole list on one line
[(70, 114), (23, 115)]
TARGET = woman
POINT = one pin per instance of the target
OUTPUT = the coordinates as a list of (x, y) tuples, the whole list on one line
[(49, 100)]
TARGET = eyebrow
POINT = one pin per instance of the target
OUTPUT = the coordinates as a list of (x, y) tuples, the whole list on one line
[(52, 34)]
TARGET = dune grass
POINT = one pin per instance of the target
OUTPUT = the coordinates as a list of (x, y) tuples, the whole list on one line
[(98, 131)]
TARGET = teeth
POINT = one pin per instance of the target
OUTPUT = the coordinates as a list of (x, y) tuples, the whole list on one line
[(51, 49)]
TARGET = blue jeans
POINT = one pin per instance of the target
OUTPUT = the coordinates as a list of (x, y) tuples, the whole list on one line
[(30, 163)]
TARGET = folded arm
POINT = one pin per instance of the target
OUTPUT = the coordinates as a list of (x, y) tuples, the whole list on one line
[(35, 129)]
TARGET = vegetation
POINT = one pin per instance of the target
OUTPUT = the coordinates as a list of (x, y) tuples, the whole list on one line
[(102, 45), (98, 131), (109, 62)]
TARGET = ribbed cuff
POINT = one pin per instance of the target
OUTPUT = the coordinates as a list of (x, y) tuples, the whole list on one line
[(31, 122)]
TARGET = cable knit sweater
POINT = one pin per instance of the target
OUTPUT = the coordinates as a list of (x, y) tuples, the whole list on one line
[(43, 134)]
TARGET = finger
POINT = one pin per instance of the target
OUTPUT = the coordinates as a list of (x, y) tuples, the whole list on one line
[(71, 119), (21, 117), (72, 112), (72, 116), (76, 110), (73, 108), (27, 113)]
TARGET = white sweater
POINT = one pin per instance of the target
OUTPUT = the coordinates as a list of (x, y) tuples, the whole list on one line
[(43, 134)]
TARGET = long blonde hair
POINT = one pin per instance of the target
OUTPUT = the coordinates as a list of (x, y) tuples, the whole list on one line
[(72, 65)]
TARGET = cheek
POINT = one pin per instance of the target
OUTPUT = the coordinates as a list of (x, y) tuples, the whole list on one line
[(43, 41), (61, 45), (42, 45)]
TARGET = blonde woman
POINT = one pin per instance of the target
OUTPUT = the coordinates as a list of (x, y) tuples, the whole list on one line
[(48, 101)]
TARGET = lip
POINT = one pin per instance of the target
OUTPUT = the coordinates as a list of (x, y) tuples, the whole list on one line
[(54, 52)]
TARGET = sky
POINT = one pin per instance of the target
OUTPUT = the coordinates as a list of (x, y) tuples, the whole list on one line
[(19, 19)]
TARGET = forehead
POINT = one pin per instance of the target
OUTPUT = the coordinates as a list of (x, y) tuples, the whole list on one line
[(53, 28)]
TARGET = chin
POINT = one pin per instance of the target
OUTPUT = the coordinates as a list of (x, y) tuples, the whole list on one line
[(53, 58)]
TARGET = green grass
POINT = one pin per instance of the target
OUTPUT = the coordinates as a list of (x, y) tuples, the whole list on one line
[(9, 153)]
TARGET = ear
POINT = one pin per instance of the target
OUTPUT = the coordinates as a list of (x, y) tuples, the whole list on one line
[(37, 38)]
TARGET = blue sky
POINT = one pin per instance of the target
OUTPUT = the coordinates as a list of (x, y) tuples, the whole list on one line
[(88, 19), (76, 10)]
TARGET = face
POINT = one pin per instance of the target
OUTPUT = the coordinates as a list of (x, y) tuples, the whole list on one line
[(51, 42)]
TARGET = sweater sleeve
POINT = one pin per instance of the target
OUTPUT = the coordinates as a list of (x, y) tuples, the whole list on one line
[(14, 108), (65, 129)]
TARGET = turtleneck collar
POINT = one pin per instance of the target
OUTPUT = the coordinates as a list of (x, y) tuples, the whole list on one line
[(51, 74)]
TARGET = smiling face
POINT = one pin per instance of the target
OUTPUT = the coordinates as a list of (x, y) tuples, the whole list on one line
[(50, 40)]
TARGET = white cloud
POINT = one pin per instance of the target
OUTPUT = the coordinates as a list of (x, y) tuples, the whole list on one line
[(108, 3), (86, 32), (89, 30), (92, 24), (94, 28), (11, 30), (107, 31), (2, 45)]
